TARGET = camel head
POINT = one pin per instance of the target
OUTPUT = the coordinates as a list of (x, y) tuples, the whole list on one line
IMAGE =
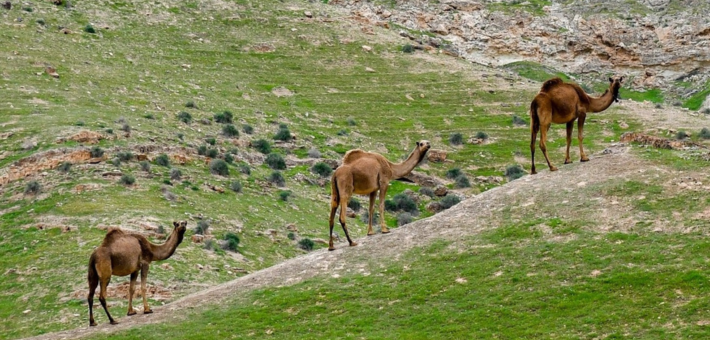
[(180, 228), (615, 85), (423, 146)]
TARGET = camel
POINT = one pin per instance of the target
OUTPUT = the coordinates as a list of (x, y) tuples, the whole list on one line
[(561, 103), (365, 173), (123, 253)]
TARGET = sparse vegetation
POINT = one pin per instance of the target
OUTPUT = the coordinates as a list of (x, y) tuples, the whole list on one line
[(481, 135), (228, 158), (219, 167), (314, 153), (211, 141), (64, 167), (513, 172), (449, 201), (284, 195), (402, 202), (162, 160), (408, 48), (224, 117), (456, 139), (277, 178), (517, 121), (232, 242), (127, 179), (184, 117), (248, 129), (462, 182), (125, 156), (704, 133), (354, 204), (236, 186), (89, 29), (322, 169), (306, 244), (191, 105), (202, 150), (96, 152), (427, 191), (680, 135), (262, 145), (453, 173), (230, 131), (275, 161), (212, 153), (202, 227), (291, 236), (33, 188), (175, 174), (351, 121), (145, 166), (245, 168), (284, 134), (404, 218)]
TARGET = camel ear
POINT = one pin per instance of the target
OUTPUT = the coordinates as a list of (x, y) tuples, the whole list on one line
[(175, 224), (621, 79), (418, 143), (611, 80)]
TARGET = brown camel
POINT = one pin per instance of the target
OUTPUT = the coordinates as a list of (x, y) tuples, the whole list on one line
[(365, 173), (561, 103), (123, 253)]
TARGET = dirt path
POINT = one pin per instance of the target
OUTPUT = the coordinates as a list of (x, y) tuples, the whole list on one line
[(542, 192)]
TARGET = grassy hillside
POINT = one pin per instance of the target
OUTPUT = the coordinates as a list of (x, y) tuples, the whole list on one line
[(128, 69)]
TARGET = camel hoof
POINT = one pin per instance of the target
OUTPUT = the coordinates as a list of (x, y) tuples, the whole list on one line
[(353, 244), (114, 322), (148, 311), (331, 248), (584, 160), (533, 172), (132, 312), (385, 231), (568, 162), (370, 234), (92, 324), (553, 168)]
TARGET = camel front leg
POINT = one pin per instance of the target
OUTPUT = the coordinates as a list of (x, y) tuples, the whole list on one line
[(343, 208), (580, 137), (102, 298), (333, 207), (534, 128), (144, 279), (570, 127), (370, 213), (131, 291), (543, 144), (383, 193), (93, 283)]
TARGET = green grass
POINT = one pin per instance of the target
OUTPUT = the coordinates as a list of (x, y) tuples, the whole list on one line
[(508, 283), (535, 71), (696, 100), (652, 95)]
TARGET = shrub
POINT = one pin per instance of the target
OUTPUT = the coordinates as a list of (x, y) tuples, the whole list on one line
[(275, 161), (681, 135), (202, 226), (212, 153), (175, 174), (426, 191), (462, 182), (232, 241), (707, 111), (481, 135), (277, 178), (404, 218), (262, 145), (677, 104), (64, 167), (224, 117), (127, 179), (191, 104), (247, 129), (184, 117), (180, 136), (408, 48), (284, 195), (209, 244), (33, 188), (125, 156), (116, 162), (449, 201), (228, 158), (283, 134), (351, 121), (202, 150), (126, 128), (453, 173), (162, 160), (149, 116), (230, 131), (145, 166), (354, 204), (236, 186), (404, 202), (659, 106), (314, 153), (245, 169), (79, 123), (219, 167), (456, 139), (96, 152), (390, 205), (211, 141), (109, 131), (366, 216), (291, 236), (342, 132), (322, 169), (306, 244), (519, 121), (704, 133), (167, 182), (161, 229), (89, 29), (514, 171)]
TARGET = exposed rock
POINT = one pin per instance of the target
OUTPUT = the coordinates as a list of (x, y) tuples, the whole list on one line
[(369, 69), (87, 137), (366, 48), (350, 213), (658, 142), (440, 190), (434, 207), (197, 238), (281, 92), (423, 180), (51, 71), (435, 155), (42, 161), (7, 5), (308, 14)]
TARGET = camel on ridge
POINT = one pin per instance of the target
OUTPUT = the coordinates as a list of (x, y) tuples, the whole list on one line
[(365, 173), (563, 103)]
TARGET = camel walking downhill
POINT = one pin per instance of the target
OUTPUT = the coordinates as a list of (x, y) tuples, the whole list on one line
[(365, 173), (123, 253), (563, 103)]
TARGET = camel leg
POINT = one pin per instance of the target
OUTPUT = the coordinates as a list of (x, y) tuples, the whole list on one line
[(131, 291), (371, 212), (580, 136), (93, 283), (102, 297), (544, 127), (144, 279), (534, 128), (333, 207), (383, 193), (570, 127), (343, 209)]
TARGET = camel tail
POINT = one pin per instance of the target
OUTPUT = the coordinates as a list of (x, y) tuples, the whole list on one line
[(335, 195), (93, 275), (534, 118)]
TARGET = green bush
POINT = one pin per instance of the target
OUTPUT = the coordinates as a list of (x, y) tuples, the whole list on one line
[(126, 128), (209, 244), (224, 117), (284, 195), (79, 123), (306, 244), (314, 153), (283, 134), (404, 218), (427, 191), (513, 172), (184, 117), (236, 186), (202, 226), (453, 173), (405, 203), (190, 104), (33, 188), (322, 169), (449, 201), (109, 131), (228, 158), (89, 29), (245, 169), (354, 204), (481, 135), (351, 121), (277, 178), (275, 161), (230, 131), (124, 156), (681, 135), (462, 182), (175, 174), (127, 179), (232, 241), (202, 150), (116, 162), (162, 160), (262, 145), (212, 153), (366, 216), (149, 116), (211, 141), (517, 121), (408, 48), (456, 139), (96, 152), (704, 133), (342, 132), (219, 167), (390, 205), (64, 167), (145, 166), (291, 236), (247, 129)]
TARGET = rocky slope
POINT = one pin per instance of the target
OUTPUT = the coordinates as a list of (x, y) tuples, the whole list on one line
[(656, 42)]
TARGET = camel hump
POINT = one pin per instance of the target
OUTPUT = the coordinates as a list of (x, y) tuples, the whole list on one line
[(353, 155), (550, 83)]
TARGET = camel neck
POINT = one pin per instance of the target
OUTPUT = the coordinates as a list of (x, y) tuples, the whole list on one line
[(400, 170), (602, 102), (165, 250)]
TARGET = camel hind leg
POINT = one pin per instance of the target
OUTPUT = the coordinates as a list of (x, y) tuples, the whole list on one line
[(144, 279), (93, 283), (333, 207), (103, 282), (570, 127), (343, 209), (580, 136), (371, 213), (383, 193), (131, 291), (544, 127)]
